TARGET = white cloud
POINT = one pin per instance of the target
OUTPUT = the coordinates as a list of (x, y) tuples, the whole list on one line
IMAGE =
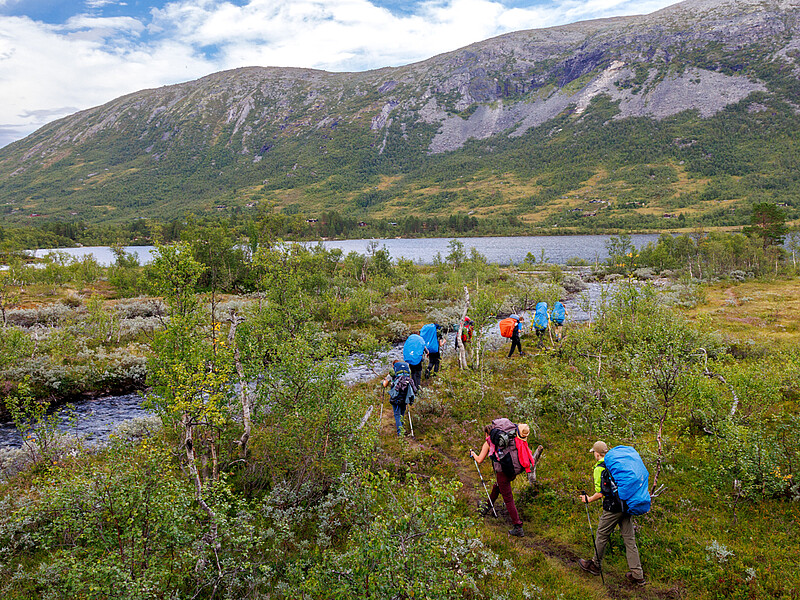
[(101, 3), (90, 60), (44, 69)]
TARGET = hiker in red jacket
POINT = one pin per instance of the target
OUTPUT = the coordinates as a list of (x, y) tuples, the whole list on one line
[(507, 444)]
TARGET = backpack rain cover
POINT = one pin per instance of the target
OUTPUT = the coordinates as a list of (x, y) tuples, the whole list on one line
[(507, 327), (414, 349), (428, 333), (631, 477), (558, 314), (540, 319)]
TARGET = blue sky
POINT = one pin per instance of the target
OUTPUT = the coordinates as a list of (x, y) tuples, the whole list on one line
[(61, 56)]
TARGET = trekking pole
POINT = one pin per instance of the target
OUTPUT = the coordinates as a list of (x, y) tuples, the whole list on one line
[(410, 424), (488, 497), (594, 543), (383, 396)]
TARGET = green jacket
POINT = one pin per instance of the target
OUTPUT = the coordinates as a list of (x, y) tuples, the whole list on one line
[(611, 501), (598, 473)]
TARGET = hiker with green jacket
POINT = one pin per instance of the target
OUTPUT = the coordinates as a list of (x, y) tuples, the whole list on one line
[(612, 516)]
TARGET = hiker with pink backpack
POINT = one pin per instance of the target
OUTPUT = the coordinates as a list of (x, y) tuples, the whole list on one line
[(507, 444)]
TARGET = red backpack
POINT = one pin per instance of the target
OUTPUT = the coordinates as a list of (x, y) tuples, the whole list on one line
[(507, 327)]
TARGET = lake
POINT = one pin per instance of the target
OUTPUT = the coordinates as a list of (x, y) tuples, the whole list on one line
[(501, 250)]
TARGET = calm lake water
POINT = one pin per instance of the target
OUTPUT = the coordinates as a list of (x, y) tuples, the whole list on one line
[(502, 250)]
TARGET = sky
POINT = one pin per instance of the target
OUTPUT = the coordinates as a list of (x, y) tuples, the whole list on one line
[(61, 56)]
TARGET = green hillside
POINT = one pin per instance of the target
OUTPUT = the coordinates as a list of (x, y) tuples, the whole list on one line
[(671, 120)]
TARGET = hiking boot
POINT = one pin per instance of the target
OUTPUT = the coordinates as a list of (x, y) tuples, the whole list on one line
[(633, 580), (485, 510), (517, 531), (589, 566)]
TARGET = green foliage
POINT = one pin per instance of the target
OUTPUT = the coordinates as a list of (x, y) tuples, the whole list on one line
[(414, 543), (109, 529), (769, 223), (125, 274), (38, 428)]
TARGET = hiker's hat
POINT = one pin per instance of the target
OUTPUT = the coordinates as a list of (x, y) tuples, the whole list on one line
[(524, 430), (600, 447)]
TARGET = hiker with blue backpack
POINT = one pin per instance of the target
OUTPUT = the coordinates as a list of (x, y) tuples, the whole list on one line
[(620, 479), (541, 321), (402, 392), (557, 317), (414, 351), (430, 333)]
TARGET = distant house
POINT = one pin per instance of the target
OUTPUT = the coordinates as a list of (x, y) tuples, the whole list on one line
[(312, 220), (392, 224), (362, 224)]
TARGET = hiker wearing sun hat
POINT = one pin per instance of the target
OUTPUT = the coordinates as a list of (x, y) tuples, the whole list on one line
[(507, 444)]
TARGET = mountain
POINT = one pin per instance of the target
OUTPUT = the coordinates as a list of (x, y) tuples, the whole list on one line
[(689, 113)]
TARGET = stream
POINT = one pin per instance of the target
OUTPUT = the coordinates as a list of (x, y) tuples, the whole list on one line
[(96, 418)]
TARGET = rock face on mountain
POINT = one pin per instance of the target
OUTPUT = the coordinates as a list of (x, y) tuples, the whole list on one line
[(260, 125)]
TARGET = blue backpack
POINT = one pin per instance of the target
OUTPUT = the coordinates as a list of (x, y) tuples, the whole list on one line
[(629, 479), (403, 390), (540, 318), (558, 314), (428, 333), (414, 349)]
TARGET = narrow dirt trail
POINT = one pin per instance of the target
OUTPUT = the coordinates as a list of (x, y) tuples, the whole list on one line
[(532, 549)]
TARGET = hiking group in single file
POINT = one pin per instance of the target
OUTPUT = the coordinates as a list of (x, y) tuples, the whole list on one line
[(619, 475)]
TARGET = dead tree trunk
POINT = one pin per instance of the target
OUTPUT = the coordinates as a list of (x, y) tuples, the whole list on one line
[(462, 351), (244, 390)]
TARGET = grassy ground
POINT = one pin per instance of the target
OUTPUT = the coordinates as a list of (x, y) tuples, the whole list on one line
[(684, 541), (754, 313)]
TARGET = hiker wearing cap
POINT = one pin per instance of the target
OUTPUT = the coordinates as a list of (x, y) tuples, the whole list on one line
[(507, 444), (612, 516), (515, 341), (402, 392)]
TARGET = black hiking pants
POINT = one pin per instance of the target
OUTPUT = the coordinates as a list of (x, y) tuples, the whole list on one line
[(433, 363), (416, 373), (515, 343)]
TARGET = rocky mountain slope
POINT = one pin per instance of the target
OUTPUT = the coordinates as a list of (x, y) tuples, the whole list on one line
[(694, 88)]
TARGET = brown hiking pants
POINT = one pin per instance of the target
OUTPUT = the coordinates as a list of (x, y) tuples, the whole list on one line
[(605, 527)]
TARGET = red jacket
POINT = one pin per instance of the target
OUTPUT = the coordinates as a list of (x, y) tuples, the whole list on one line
[(524, 454)]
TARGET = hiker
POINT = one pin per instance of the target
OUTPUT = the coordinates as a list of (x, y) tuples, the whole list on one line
[(613, 515), (431, 334), (541, 321), (507, 444), (557, 317), (466, 332), (414, 351), (467, 327), (515, 333), (402, 392)]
